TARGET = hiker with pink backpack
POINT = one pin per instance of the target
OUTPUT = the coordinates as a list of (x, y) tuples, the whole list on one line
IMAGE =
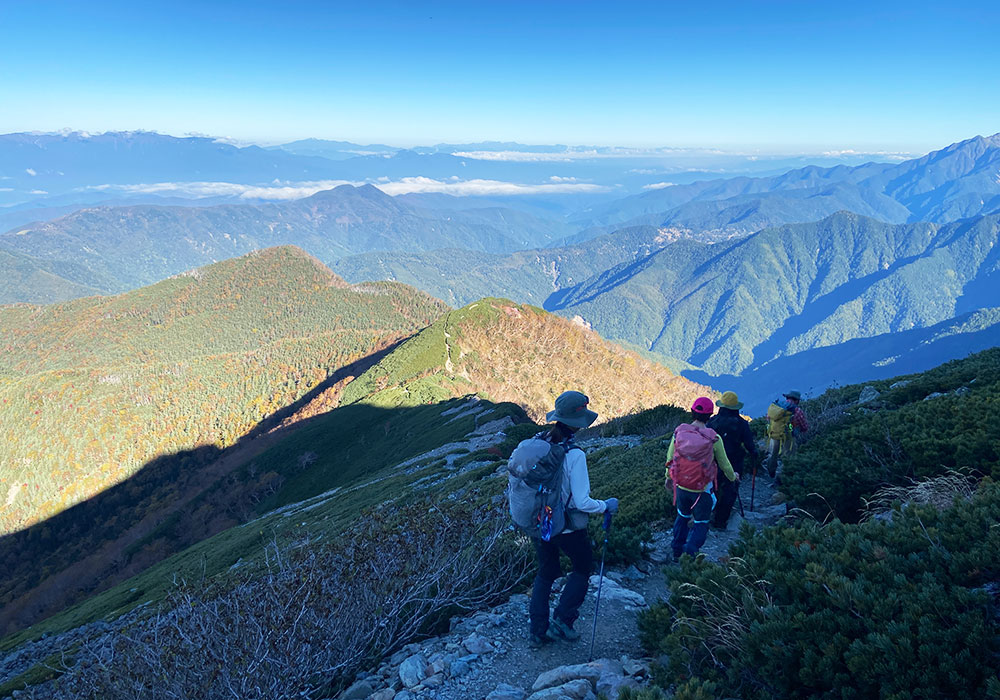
[(693, 460)]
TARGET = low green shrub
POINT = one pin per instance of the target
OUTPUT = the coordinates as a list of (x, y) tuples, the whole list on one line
[(652, 422), (896, 608), (635, 477), (900, 437)]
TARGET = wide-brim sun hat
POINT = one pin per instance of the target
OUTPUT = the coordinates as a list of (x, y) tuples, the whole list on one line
[(793, 395), (571, 409), (730, 400)]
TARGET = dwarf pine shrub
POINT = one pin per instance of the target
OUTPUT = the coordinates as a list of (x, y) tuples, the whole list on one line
[(897, 608), (940, 420)]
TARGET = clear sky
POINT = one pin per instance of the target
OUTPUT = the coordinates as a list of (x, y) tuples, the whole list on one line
[(774, 76)]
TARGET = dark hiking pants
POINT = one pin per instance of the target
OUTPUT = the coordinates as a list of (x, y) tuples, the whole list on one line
[(728, 492), (576, 546), (691, 526)]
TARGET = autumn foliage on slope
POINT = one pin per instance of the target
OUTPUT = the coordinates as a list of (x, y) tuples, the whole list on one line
[(521, 354), (93, 389)]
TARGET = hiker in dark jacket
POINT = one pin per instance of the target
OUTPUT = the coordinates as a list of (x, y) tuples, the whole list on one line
[(570, 414), (695, 501), (738, 441)]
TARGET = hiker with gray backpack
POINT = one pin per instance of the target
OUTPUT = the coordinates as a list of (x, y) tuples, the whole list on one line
[(549, 492), (693, 460)]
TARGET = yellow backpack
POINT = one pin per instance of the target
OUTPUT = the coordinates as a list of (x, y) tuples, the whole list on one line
[(779, 421)]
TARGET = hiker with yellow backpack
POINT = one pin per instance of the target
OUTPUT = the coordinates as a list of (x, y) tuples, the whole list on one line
[(785, 422), (693, 460)]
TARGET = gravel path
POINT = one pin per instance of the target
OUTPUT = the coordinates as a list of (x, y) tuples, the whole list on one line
[(506, 627)]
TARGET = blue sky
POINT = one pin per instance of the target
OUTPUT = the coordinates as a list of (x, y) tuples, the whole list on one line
[(772, 76)]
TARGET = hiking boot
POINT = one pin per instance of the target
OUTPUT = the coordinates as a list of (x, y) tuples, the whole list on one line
[(561, 629), (537, 642)]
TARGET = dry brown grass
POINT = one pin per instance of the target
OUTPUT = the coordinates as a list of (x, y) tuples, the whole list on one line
[(725, 610), (938, 491)]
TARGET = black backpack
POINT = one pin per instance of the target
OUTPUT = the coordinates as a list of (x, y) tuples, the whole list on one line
[(730, 429)]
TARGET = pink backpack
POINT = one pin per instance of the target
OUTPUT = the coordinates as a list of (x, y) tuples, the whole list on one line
[(693, 466)]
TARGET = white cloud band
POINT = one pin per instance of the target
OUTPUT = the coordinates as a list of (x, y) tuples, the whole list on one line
[(299, 190)]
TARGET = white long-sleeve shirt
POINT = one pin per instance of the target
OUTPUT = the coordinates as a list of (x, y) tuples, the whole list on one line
[(576, 485)]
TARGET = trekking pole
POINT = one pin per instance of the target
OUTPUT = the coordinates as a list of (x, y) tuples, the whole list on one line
[(604, 549), (739, 499)]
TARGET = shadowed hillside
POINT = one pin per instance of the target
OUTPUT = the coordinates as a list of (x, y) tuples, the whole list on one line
[(177, 501), (92, 389), (498, 351)]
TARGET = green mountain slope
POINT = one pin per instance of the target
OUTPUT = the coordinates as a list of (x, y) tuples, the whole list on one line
[(918, 427), (24, 278), (92, 389), (790, 289)]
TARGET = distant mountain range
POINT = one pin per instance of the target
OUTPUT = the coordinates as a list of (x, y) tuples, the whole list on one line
[(55, 163), (957, 182), (113, 249), (44, 171), (729, 307)]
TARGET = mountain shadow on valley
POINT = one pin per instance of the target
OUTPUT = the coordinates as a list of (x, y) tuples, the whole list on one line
[(176, 500)]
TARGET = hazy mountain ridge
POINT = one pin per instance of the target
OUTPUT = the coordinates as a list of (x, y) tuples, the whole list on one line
[(126, 247), (60, 162), (954, 183)]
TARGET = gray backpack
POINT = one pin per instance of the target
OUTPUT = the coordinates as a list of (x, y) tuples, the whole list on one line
[(535, 486)]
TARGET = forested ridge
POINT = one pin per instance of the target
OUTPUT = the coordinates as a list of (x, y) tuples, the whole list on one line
[(92, 389)]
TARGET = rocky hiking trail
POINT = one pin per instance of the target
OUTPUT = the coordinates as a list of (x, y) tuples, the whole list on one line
[(485, 656)]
